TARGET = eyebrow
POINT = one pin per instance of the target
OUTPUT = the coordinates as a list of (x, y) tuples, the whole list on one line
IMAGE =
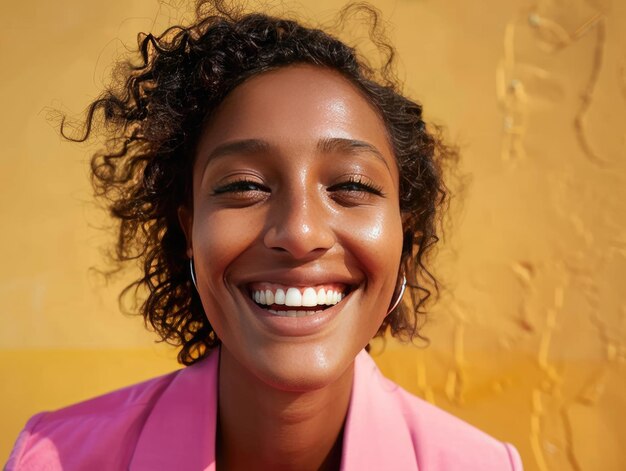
[(243, 146), (326, 145), (349, 146)]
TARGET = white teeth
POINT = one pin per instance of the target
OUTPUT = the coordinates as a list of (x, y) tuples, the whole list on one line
[(292, 313), (309, 297), (279, 296), (293, 297), (332, 297)]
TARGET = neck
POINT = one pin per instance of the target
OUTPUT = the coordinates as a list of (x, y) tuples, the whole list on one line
[(265, 428)]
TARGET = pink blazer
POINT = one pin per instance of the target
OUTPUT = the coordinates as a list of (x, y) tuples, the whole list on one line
[(169, 423)]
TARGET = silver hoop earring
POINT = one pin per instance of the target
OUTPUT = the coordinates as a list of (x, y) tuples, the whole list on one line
[(397, 301), (193, 273)]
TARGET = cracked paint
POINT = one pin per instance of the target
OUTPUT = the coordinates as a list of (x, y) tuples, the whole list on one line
[(534, 325)]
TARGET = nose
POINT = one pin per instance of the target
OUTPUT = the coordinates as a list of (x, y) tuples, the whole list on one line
[(299, 225)]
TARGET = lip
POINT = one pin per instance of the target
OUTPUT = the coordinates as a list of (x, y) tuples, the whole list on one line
[(311, 275), (304, 326)]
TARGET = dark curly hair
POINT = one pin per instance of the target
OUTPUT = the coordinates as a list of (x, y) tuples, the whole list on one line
[(152, 117)]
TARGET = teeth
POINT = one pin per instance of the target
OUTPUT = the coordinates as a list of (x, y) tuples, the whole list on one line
[(279, 297), (294, 297), (309, 297), (321, 296), (292, 313)]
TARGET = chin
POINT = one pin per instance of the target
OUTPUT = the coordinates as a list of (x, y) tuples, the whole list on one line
[(302, 368)]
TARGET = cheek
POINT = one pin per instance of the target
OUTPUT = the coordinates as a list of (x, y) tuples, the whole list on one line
[(218, 239), (376, 241)]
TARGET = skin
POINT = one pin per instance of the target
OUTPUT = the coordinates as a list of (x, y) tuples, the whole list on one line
[(282, 194)]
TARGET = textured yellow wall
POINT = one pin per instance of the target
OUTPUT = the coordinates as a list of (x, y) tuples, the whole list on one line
[(528, 342)]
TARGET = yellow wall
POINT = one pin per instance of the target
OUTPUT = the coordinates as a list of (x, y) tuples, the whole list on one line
[(528, 342)]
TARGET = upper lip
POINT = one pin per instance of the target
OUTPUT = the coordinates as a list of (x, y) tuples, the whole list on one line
[(300, 278)]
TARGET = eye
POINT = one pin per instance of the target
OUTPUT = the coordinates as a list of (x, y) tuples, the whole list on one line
[(241, 187), (242, 192), (357, 186)]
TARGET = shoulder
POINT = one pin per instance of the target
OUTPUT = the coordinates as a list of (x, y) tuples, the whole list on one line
[(439, 440), (448, 442), (107, 426)]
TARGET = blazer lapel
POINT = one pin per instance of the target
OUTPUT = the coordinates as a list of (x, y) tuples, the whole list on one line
[(376, 435), (180, 431)]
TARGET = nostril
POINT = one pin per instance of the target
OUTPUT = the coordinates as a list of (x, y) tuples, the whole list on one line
[(299, 242), (279, 249)]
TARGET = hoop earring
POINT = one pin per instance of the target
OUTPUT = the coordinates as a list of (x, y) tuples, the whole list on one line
[(193, 273), (397, 301)]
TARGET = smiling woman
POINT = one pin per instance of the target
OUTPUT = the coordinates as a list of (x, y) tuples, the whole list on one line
[(280, 197), (304, 202)]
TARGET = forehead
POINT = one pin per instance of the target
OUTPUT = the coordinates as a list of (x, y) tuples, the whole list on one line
[(298, 106)]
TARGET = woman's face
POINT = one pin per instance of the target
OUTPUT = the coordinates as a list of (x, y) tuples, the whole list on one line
[(296, 231)]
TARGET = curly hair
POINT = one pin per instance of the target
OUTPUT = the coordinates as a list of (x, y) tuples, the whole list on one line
[(152, 117)]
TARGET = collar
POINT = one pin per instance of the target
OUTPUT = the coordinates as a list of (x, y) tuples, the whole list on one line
[(180, 432), (376, 435)]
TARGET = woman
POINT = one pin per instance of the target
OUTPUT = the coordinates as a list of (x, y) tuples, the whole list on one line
[(280, 197)]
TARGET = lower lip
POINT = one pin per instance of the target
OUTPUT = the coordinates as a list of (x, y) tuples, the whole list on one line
[(297, 326)]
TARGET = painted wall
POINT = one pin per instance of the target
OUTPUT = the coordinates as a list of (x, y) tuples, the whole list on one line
[(529, 340)]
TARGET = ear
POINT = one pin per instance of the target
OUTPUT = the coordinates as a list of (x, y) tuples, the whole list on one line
[(185, 219)]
